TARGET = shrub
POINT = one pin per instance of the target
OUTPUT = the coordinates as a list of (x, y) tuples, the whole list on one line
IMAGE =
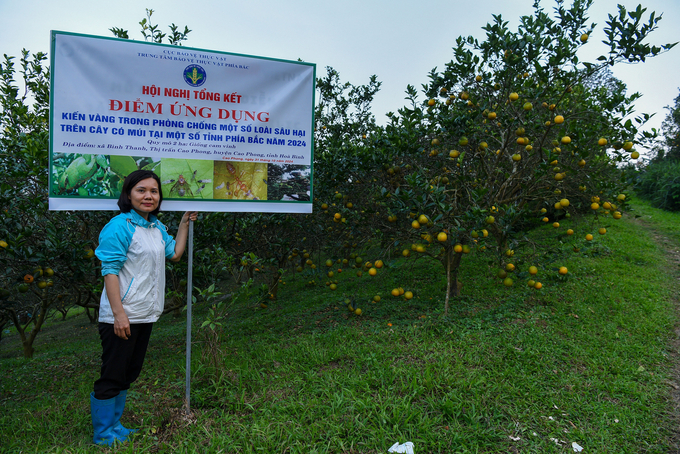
[(660, 184)]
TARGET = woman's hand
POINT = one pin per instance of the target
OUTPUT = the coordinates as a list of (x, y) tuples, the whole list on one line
[(121, 326), (181, 238), (189, 215)]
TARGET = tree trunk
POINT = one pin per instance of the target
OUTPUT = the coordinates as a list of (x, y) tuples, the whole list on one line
[(451, 264), (28, 338), (28, 349)]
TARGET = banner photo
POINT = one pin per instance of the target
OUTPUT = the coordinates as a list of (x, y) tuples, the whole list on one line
[(223, 131)]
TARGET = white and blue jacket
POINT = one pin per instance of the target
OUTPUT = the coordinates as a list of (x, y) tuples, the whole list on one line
[(135, 249)]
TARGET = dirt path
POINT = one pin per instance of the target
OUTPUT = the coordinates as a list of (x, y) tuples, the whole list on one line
[(671, 250)]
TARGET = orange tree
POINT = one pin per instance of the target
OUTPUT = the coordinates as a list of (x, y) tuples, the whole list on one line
[(296, 242), (46, 257), (515, 131), (347, 159)]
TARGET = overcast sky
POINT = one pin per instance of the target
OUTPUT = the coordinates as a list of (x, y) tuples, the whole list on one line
[(400, 42)]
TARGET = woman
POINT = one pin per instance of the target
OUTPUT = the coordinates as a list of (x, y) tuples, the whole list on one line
[(133, 247)]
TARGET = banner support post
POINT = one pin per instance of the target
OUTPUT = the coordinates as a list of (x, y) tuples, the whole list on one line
[(190, 241)]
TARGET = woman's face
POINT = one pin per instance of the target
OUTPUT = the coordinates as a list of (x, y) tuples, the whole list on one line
[(145, 196)]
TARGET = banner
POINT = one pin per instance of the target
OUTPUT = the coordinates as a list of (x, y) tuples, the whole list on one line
[(224, 132)]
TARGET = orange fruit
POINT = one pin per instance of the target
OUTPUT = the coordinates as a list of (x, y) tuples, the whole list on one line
[(514, 96), (372, 272), (458, 248), (533, 270), (538, 285), (395, 292), (378, 263), (563, 270), (408, 295), (28, 278), (602, 231), (415, 224), (570, 232), (589, 237), (559, 119), (595, 206)]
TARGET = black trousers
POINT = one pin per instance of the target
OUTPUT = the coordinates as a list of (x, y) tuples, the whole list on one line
[(122, 359)]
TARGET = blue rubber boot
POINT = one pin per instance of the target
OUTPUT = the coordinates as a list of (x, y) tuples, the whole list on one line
[(119, 406), (103, 421)]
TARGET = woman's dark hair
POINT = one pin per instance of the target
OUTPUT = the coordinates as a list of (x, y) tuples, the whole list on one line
[(130, 182)]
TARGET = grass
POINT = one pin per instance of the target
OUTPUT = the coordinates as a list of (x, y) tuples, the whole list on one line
[(664, 221), (587, 359)]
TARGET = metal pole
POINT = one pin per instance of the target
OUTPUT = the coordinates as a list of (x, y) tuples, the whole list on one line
[(190, 242)]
